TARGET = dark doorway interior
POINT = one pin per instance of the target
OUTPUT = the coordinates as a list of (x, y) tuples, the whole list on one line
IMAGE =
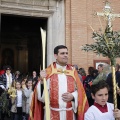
[(20, 44)]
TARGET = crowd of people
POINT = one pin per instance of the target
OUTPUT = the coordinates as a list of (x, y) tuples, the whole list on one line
[(73, 95), (19, 105)]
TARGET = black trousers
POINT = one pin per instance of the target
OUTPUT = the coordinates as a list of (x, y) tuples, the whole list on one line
[(18, 115)]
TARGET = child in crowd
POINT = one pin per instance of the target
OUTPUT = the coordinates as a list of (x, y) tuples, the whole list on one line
[(23, 82), (18, 103), (101, 110), (27, 92)]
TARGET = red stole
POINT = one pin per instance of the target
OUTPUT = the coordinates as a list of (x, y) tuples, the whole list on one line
[(54, 87)]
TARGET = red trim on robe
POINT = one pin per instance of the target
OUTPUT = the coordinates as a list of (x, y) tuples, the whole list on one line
[(36, 108), (71, 88), (82, 99), (54, 87)]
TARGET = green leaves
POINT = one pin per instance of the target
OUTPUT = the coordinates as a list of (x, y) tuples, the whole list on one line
[(5, 103), (107, 44)]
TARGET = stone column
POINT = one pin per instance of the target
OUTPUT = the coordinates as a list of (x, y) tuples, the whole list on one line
[(56, 31)]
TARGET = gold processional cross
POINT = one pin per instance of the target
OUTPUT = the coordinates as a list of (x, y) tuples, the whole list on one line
[(107, 14), (109, 17)]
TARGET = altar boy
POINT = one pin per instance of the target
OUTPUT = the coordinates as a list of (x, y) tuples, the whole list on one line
[(101, 110)]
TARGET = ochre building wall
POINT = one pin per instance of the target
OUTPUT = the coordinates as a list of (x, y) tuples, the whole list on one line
[(79, 17)]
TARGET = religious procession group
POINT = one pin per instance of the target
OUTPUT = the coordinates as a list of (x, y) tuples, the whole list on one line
[(71, 94), (15, 92)]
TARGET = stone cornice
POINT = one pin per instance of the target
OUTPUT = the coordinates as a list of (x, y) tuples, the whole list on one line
[(26, 11), (28, 7)]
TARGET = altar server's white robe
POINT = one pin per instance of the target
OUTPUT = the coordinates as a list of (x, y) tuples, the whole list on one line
[(93, 113)]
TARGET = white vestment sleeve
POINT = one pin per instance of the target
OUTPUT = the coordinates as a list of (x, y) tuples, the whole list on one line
[(75, 102), (41, 96)]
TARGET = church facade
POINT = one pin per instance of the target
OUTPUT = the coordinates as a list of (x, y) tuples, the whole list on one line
[(80, 20), (69, 22)]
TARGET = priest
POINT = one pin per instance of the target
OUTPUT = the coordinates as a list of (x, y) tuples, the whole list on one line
[(66, 93)]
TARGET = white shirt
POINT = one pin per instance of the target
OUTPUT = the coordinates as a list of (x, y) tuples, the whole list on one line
[(9, 80), (19, 98)]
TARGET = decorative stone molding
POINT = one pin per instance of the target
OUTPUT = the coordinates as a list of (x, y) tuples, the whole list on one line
[(30, 2), (25, 11), (28, 7)]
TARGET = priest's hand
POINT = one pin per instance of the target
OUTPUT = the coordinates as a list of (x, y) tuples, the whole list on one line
[(42, 74), (67, 97)]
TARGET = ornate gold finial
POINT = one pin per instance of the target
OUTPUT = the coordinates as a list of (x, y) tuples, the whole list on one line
[(107, 14), (107, 7)]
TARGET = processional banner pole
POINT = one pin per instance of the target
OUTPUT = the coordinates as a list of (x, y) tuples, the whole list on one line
[(109, 16), (47, 107), (114, 87)]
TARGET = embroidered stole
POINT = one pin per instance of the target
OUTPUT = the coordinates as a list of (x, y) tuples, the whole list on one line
[(54, 92)]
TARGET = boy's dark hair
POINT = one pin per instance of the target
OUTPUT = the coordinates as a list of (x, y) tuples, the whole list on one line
[(101, 65), (8, 67), (29, 79), (100, 85), (56, 49)]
